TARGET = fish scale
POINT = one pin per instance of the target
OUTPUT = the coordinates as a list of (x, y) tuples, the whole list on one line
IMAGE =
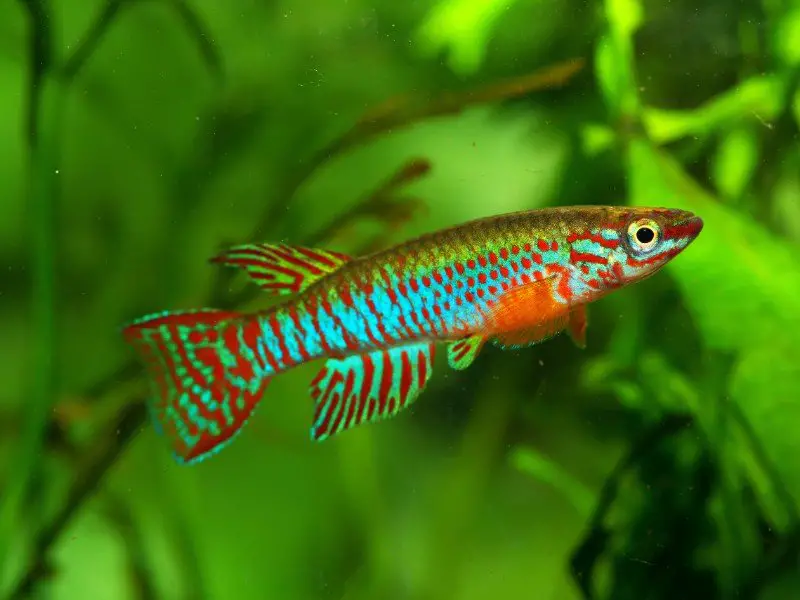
[(515, 279)]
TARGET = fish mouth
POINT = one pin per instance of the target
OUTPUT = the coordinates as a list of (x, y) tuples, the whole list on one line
[(689, 227), (694, 225)]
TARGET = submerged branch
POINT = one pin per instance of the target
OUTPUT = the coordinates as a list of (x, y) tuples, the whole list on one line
[(404, 111), (125, 428)]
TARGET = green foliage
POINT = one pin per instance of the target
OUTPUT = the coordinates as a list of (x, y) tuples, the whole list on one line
[(758, 99), (614, 57), (766, 339), (534, 464), (461, 29), (787, 36), (735, 161)]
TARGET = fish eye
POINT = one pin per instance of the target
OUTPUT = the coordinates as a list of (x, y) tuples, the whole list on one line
[(644, 235)]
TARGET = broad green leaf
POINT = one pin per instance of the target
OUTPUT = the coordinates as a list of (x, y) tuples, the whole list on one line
[(765, 387), (543, 469), (615, 76), (596, 138), (735, 161), (624, 16), (740, 281), (614, 56), (462, 29), (786, 199), (758, 99), (608, 71), (742, 284), (786, 38)]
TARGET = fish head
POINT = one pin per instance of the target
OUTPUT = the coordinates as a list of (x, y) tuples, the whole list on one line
[(620, 246)]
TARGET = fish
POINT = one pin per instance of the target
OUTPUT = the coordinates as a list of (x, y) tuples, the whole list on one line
[(513, 280)]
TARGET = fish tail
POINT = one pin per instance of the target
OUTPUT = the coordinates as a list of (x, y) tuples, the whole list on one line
[(203, 374)]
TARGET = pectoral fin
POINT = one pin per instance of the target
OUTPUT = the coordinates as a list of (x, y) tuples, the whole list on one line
[(462, 353)]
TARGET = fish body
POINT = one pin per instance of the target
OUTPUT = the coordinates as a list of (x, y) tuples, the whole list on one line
[(514, 279)]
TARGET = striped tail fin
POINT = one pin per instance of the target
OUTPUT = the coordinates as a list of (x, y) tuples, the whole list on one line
[(205, 388)]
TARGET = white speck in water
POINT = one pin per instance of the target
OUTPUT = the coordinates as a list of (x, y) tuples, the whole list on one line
[(541, 362), (57, 171)]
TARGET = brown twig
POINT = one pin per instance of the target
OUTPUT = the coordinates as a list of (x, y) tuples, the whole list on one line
[(383, 204), (404, 111)]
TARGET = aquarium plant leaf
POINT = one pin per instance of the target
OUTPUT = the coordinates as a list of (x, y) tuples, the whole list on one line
[(462, 29), (740, 284)]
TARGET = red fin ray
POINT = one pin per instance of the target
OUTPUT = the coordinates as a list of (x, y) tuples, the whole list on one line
[(368, 388), (204, 389), (282, 269)]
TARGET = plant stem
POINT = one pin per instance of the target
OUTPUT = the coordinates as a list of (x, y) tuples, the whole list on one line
[(41, 200)]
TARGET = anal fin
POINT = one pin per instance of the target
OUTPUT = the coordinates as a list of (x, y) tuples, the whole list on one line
[(282, 269), (369, 387)]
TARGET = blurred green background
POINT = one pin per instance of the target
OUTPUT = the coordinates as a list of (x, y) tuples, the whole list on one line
[(140, 137)]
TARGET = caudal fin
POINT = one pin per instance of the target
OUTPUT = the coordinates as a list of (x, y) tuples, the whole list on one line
[(204, 386)]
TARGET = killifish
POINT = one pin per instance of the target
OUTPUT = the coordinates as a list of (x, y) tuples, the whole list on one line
[(513, 280)]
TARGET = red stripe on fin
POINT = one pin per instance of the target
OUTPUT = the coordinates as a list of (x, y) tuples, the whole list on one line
[(368, 388), (462, 353), (204, 387), (282, 269)]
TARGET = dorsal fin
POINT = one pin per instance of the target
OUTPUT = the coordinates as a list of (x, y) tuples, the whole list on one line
[(282, 269), (369, 387)]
